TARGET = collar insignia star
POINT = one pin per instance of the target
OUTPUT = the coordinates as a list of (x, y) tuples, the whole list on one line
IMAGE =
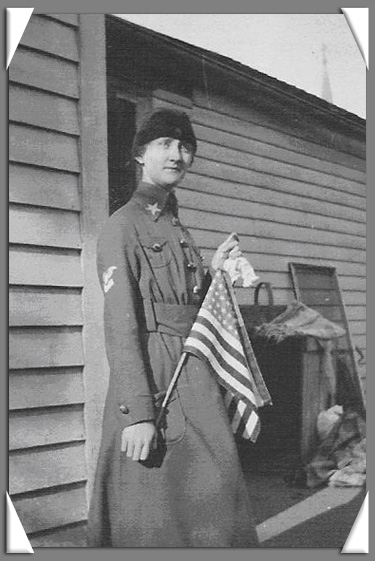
[(154, 209)]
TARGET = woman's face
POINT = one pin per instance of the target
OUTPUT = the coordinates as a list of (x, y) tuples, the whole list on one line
[(165, 161)]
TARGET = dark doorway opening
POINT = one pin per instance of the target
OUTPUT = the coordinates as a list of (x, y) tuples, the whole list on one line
[(121, 167), (278, 447)]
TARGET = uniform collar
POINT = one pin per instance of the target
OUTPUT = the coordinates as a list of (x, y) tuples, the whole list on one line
[(152, 198)]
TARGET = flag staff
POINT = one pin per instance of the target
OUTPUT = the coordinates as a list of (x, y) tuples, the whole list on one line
[(178, 370), (170, 389), (265, 398)]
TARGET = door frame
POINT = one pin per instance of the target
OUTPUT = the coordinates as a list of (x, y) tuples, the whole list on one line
[(94, 199)]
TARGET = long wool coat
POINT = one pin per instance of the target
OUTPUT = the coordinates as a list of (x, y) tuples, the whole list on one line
[(153, 281)]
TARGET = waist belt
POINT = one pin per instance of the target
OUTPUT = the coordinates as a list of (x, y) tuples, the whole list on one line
[(173, 319)]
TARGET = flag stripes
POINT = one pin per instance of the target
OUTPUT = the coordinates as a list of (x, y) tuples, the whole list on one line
[(233, 343), (200, 350), (226, 339), (231, 367), (244, 420), (218, 337)]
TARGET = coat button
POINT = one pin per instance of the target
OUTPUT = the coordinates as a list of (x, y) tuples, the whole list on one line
[(124, 409), (196, 289), (183, 243), (175, 221), (192, 266)]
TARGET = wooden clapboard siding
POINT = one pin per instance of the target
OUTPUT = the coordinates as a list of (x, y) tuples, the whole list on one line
[(314, 155), (339, 175), (230, 173), (355, 298), (356, 295), (45, 347), (308, 202), (51, 37), (42, 109), (41, 427), (35, 388), (215, 221), (244, 176), (220, 154), (68, 19), (360, 341), (44, 227), (208, 229), (61, 506), (246, 145), (356, 312), (44, 148), (29, 265), (268, 263), (358, 327), (47, 464), (40, 71), (71, 535), (311, 127), (44, 306), (282, 280), (350, 283), (42, 187), (264, 215)]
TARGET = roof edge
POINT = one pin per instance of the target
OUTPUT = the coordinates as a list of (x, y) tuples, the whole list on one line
[(268, 82)]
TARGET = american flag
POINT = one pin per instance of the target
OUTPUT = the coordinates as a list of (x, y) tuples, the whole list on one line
[(219, 337)]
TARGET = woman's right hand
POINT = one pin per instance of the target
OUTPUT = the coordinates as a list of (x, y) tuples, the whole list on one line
[(229, 248), (137, 440)]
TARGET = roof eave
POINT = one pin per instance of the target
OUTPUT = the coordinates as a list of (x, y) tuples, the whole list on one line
[(270, 84)]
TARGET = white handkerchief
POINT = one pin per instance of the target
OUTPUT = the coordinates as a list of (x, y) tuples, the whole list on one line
[(240, 268)]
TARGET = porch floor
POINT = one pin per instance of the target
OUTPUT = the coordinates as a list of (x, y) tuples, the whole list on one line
[(297, 517)]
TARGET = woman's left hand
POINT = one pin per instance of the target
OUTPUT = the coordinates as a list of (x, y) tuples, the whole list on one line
[(230, 248)]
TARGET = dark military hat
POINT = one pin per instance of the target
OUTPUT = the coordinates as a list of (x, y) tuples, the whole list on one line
[(165, 123)]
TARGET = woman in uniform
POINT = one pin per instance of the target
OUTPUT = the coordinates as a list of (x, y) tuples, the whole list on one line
[(189, 491)]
